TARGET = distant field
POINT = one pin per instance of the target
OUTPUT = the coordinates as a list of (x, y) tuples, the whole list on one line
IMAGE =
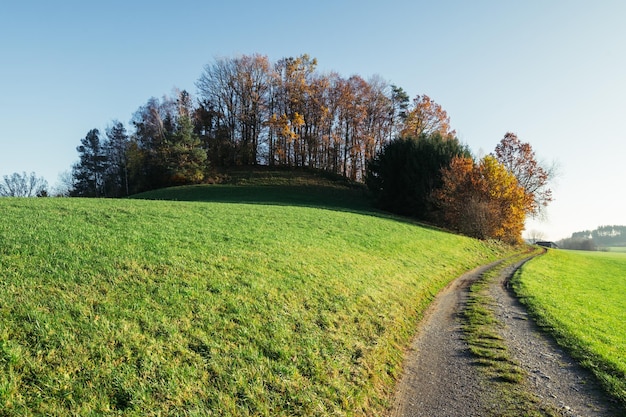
[(581, 298), (137, 307), (620, 249)]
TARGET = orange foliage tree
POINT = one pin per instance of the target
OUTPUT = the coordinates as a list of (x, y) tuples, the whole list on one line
[(426, 117), (483, 200)]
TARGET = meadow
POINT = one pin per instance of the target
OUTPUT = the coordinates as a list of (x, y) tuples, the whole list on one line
[(580, 297), (201, 308)]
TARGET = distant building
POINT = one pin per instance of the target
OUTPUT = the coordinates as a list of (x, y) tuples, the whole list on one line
[(546, 244)]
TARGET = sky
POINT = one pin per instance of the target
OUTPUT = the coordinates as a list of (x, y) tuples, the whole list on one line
[(551, 71)]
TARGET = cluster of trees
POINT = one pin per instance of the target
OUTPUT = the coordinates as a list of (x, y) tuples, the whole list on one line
[(578, 243), (252, 111), (602, 237), (164, 150), (23, 185), (436, 179)]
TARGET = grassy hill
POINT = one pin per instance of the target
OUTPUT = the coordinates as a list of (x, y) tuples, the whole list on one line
[(301, 305), (264, 185)]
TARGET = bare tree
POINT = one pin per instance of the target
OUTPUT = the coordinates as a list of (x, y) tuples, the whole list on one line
[(64, 185), (235, 91), (23, 185), (535, 236)]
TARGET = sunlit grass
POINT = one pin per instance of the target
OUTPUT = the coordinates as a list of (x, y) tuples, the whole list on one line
[(191, 308), (581, 298)]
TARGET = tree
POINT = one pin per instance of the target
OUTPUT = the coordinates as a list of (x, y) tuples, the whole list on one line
[(64, 185), (23, 185), (294, 99), (153, 123), (405, 173), (426, 116), (186, 158), (400, 108), (234, 94), (535, 236), (89, 172), (482, 200), (519, 159), (116, 155)]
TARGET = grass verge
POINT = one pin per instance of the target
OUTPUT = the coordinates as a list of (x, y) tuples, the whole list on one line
[(580, 298)]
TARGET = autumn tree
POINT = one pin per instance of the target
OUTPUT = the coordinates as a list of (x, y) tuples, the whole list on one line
[(288, 114), (520, 160), (482, 200), (379, 118), (352, 115), (426, 116), (294, 101)]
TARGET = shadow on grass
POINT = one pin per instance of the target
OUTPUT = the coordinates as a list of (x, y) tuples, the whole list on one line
[(353, 199), (338, 198)]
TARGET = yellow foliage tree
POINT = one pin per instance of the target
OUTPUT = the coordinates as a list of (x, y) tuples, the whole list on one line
[(483, 200)]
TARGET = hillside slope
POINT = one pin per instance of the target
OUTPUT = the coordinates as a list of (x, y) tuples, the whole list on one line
[(195, 308), (272, 186)]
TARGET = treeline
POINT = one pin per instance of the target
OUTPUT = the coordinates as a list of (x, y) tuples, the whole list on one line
[(251, 111), (435, 178), (600, 238)]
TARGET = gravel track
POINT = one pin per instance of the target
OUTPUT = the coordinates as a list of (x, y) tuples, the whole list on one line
[(441, 379)]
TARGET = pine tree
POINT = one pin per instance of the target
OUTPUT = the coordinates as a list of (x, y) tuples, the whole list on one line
[(88, 173)]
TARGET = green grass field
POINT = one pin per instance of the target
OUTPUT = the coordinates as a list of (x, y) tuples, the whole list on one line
[(134, 307), (580, 297)]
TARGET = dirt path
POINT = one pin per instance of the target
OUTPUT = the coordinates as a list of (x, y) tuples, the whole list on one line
[(442, 380)]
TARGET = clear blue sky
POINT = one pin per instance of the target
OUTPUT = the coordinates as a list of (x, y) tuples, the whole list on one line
[(554, 72)]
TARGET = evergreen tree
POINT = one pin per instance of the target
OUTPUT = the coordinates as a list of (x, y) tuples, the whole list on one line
[(88, 173), (186, 158), (404, 174), (116, 152)]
